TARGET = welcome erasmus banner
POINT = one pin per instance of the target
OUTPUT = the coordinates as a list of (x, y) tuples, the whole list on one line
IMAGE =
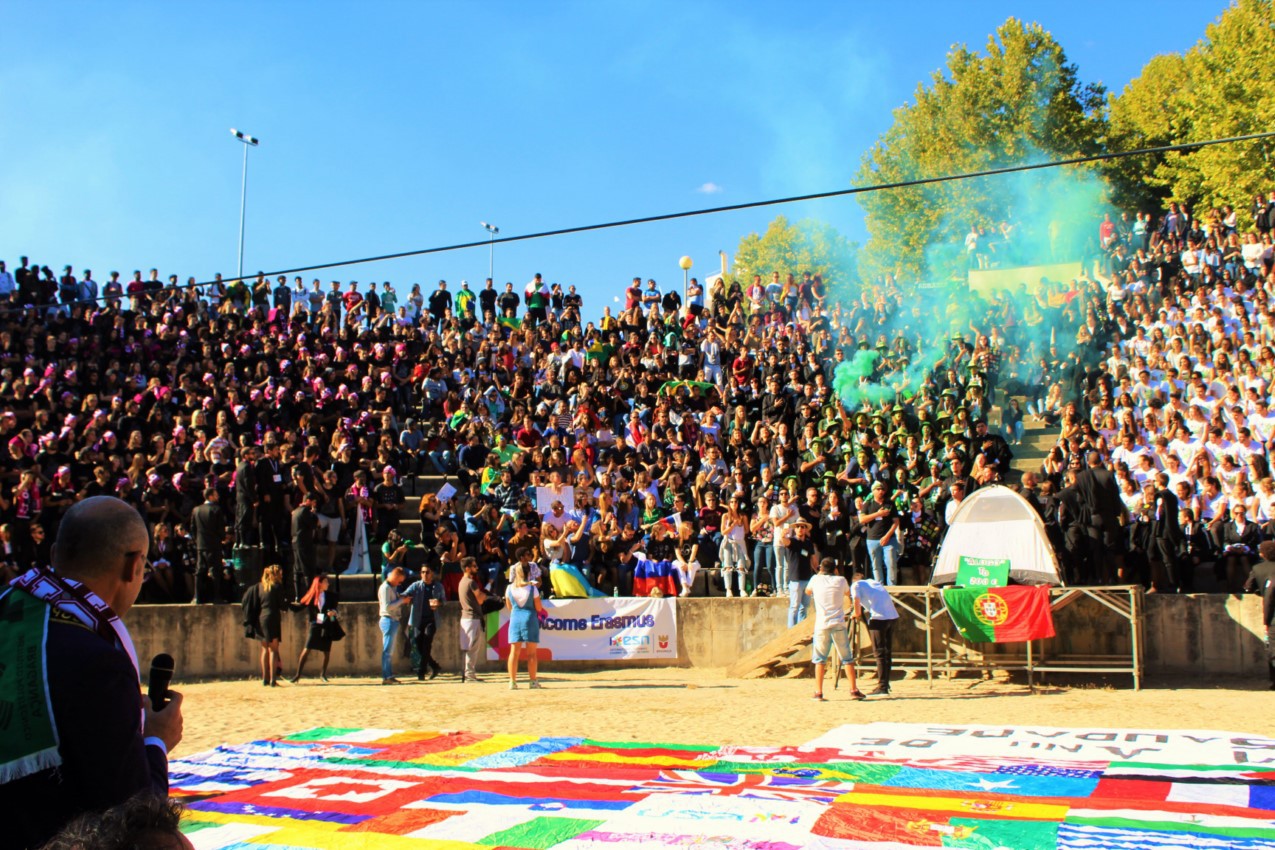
[(596, 629)]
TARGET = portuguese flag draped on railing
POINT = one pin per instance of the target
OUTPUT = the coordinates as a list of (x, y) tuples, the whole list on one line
[(1000, 614)]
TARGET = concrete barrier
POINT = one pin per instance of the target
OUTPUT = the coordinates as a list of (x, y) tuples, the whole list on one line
[(1184, 635)]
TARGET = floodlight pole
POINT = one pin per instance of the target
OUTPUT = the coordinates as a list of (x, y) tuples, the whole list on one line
[(491, 250), (248, 142)]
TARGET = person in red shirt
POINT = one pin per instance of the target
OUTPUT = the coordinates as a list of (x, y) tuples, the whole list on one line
[(1107, 231), (352, 299)]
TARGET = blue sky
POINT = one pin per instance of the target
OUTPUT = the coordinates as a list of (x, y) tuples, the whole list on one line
[(392, 126)]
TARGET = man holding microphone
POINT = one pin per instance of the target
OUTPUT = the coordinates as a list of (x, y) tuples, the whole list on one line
[(102, 742)]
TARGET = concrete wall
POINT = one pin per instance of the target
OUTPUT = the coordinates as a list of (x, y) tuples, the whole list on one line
[(207, 641), (1183, 635)]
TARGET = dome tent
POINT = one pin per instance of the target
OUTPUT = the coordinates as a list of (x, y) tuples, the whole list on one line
[(995, 523)]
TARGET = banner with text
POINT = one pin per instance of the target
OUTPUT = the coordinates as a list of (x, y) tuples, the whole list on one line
[(889, 741), (596, 629)]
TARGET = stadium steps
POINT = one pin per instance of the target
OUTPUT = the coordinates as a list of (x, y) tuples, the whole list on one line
[(782, 657), (788, 656), (1038, 439)]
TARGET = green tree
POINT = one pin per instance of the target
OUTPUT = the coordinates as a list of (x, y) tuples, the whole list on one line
[(1223, 86), (808, 245), (1020, 101), (1150, 112)]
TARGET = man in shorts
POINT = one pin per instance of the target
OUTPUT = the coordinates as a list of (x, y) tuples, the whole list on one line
[(829, 592)]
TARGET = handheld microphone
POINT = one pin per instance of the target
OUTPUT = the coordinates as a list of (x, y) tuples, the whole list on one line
[(160, 677)]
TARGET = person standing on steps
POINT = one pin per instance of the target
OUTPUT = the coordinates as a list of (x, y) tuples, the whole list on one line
[(305, 552), (872, 596), (208, 528)]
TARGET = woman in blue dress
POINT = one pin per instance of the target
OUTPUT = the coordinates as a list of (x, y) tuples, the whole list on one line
[(525, 609)]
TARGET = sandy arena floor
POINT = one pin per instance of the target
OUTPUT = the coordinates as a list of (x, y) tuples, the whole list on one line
[(701, 706)]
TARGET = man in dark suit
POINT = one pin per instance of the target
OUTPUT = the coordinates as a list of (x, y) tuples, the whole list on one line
[(208, 530), (110, 744), (305, 553), (1166, 534), (1071, 529), (246, 498), (1101, 509), (1261, 579), (272, 508)]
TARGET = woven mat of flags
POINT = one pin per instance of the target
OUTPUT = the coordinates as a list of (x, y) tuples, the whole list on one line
[(877, 785)]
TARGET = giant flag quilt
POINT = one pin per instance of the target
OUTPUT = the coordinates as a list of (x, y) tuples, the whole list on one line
[(872, 786)]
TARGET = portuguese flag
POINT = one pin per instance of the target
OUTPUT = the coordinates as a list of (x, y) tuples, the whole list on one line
[(1000, 614)]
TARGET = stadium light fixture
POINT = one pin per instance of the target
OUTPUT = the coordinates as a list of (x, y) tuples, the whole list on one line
[(248, 142), (686, 264), (491, 250)]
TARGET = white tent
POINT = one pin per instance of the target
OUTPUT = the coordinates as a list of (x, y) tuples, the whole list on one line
[(997, 524)]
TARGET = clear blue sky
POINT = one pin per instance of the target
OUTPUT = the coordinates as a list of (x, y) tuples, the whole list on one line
[(392, 126)]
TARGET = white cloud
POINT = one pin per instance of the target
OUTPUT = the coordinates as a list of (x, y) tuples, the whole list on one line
[(709, 188)]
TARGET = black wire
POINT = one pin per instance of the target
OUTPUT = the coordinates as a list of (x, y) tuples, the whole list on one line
[(838, 193)]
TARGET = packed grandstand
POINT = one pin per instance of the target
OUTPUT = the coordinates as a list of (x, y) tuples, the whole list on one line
[(759, 424)]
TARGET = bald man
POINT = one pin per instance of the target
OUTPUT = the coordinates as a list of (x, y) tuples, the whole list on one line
[(103, 743)]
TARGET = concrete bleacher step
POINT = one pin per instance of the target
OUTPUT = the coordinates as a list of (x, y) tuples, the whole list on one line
[(1037, 441), (1035, 448), (357, 588)]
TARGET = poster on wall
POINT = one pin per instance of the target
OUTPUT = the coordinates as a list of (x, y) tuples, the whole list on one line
[(596, 630)]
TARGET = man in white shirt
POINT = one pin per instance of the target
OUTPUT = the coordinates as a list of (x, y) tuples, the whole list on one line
[(87, 287), (1128, 452), (829, 592), (871, 595), (7, 286), (1261, 421)]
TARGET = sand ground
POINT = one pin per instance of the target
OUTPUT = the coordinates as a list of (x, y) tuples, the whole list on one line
[(702, 706)]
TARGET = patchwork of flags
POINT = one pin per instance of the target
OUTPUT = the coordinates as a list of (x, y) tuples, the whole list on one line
[(363, 788)]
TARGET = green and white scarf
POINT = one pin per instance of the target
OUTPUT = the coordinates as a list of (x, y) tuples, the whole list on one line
[(28, 733)]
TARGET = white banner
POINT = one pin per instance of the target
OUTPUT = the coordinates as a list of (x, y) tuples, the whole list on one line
[(890, 741), (596, 629)]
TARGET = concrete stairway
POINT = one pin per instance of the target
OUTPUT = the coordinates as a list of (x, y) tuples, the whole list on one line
[(362, 588), (1038, 439)]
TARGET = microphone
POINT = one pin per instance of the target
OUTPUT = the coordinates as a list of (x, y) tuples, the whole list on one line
[(160, 677)]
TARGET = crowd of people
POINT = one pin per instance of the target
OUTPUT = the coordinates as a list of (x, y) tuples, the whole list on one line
[(763, 429), (1172, 408), (749, 430)]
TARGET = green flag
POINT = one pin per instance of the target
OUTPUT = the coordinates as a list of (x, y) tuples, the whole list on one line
[(28, 737), (510, 322)]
